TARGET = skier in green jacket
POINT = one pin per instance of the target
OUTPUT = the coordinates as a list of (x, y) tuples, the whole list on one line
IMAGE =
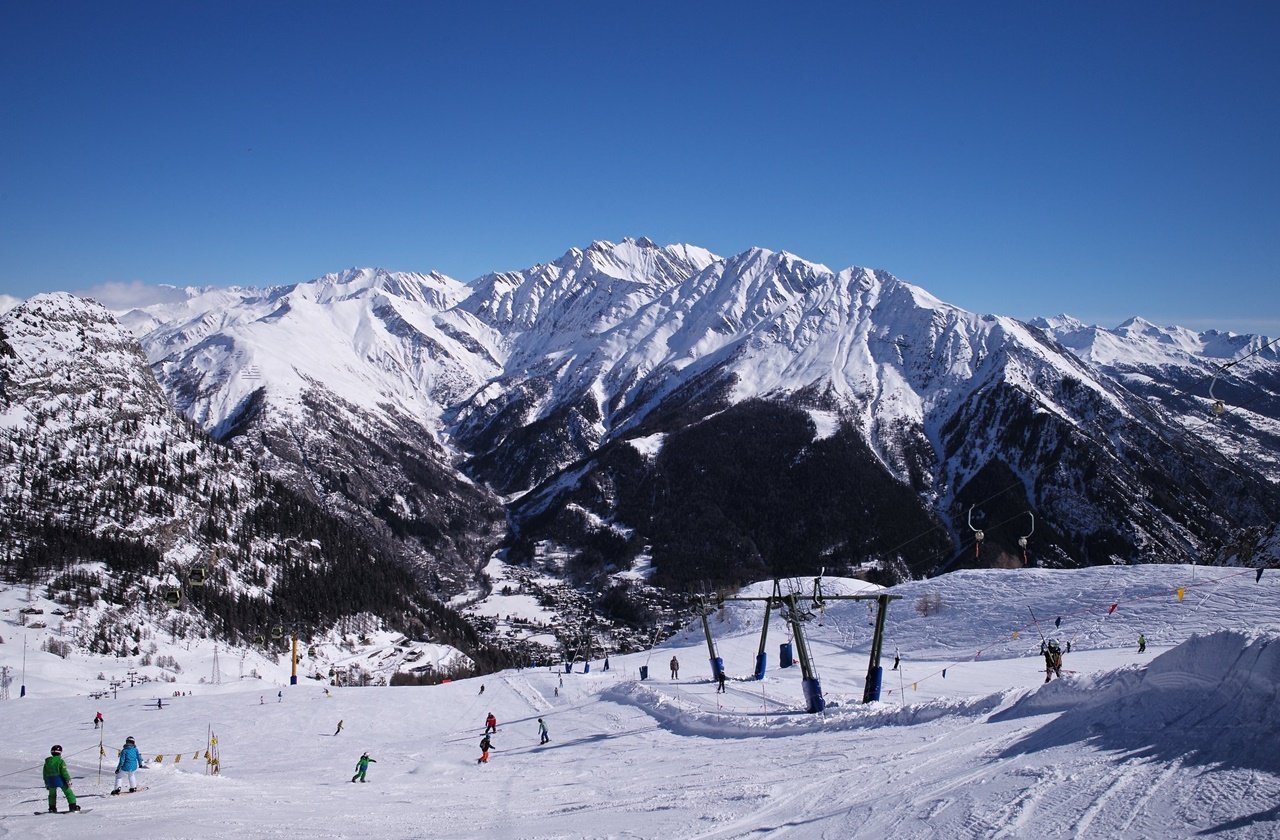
[(56, 775), (362, 767)]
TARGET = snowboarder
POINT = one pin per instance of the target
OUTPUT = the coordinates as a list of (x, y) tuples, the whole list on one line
[(720, 689), (482, 688), (1142, 643), (339, 729), (279, 696), (490, 724), (542, 732), (159, 703), (56, 775), (896, 660), (127, 766), (675, 668), (97, 720), (485, 746), (1052, 660), (362, 766)]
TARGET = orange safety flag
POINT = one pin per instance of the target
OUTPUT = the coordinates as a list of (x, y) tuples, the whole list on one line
[(1182, 590), (159, 759), (1015, 634), (177, 759)]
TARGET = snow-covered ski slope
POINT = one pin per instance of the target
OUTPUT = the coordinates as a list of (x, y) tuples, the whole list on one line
[(1180, 741)]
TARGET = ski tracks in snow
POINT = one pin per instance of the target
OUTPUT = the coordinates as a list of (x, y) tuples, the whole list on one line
[(523, 689)]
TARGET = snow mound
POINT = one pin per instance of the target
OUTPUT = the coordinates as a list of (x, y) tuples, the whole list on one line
[(1206, 701)]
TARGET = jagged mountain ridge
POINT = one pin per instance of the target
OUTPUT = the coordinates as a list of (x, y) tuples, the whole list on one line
[(526, 381)]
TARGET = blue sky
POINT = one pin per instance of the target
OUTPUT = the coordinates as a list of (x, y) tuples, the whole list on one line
[(1101, 159)]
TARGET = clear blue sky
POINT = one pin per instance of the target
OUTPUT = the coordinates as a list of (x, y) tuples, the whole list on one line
[(1102, 159)]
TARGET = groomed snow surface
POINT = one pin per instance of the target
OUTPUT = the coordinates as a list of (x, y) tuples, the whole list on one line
[(966, 741)]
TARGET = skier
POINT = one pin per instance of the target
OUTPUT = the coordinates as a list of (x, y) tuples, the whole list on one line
[(720, 689), (482, 688), (1142, 643), (97, 720), (362, 766), (490, 724), (485, 746), (896, 660), (542, 731), (56, 775), (159, 703), (339, 729), (675, 668), (127, 766), (1052, 660), (279, 696)]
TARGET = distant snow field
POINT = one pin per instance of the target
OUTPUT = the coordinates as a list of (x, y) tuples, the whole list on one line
[(966, 741)]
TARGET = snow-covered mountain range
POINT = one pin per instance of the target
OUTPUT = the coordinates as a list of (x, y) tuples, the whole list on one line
[(640, 420), (527, 382)]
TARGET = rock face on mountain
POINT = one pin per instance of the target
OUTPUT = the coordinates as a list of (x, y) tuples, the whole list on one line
[(715, 419)]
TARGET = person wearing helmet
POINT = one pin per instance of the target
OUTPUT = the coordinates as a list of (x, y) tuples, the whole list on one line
[(56, 775), (1052, 661), (362, 767), (127, 766)]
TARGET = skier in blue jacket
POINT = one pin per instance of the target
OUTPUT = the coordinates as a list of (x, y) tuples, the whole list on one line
[(130, 761)]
